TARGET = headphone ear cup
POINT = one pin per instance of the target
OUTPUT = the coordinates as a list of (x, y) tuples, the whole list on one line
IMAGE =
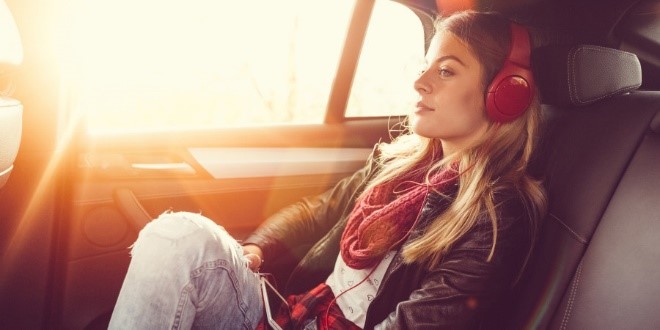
[(512, 90), (510, 93)]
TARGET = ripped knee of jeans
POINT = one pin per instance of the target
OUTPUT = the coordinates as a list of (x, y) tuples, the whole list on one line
[(177, 227)]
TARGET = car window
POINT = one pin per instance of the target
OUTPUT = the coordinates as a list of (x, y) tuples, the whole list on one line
[(391, 58), (136, 65)]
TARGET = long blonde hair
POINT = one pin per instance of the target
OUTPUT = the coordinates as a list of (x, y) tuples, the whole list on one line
[(497, 162)]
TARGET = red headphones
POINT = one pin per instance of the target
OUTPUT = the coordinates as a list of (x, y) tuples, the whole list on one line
[(511, 91)]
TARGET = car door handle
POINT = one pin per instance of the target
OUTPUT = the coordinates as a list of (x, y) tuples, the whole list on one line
[(165, 168)]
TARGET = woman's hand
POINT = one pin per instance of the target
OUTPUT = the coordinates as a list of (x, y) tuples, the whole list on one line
[(254, 255)]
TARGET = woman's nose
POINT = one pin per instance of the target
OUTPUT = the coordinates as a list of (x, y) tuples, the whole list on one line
[(420, 84)]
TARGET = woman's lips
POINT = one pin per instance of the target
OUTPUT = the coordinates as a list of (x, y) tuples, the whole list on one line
[(421, 107)]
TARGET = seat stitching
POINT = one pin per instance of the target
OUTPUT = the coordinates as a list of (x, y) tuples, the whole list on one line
[(571, 76), (571, 298), (573, 233), (622, 89)]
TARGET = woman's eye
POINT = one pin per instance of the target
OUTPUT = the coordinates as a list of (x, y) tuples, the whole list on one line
[(445, 72)]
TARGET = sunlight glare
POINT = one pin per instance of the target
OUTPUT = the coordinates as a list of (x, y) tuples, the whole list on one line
[(152, 64)]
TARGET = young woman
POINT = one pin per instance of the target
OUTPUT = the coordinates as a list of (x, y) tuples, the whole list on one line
[(431, 233)]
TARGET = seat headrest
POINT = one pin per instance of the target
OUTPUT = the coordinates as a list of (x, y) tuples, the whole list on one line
[(583, 74)]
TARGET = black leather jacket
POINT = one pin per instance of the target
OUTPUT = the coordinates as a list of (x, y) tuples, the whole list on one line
[(462, 291)]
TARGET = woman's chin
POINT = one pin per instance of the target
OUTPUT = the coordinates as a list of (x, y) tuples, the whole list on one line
[(422, 131)]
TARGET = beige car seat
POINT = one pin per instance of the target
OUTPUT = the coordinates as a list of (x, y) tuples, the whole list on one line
[(11, 110)]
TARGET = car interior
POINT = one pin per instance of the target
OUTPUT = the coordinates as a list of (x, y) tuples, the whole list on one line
[(72, 203)]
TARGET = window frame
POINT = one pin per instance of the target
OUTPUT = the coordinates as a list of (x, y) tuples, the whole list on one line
[(350, 56)]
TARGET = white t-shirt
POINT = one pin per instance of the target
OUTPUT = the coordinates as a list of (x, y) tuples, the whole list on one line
[(355, 302)]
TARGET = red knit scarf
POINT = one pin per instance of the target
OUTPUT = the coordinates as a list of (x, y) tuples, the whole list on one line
[(381, 220)]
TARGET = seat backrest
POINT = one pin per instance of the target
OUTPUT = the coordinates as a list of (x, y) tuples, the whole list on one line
[(11, 111), (593, 266), (11, 114)]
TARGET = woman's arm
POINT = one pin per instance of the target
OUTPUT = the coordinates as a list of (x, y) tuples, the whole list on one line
[(308, 220)]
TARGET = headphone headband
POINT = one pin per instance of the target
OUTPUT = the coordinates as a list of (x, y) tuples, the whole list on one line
[(520, 52)]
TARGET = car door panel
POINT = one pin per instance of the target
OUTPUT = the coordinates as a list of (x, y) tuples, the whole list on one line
[(235, 177)]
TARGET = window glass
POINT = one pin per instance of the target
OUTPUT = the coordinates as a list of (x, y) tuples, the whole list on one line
[(390, 61), (172, 64)]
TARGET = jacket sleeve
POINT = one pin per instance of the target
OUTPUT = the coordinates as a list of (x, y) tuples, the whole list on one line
[(464, 286), (306, 221)]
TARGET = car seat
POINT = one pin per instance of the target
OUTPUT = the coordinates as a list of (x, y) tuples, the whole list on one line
[(596, 260), (11, 110)]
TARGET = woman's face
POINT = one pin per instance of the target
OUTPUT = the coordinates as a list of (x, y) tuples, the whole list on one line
[(451, 106)]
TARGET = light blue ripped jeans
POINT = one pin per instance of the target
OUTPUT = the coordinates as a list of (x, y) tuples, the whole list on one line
[(187, 272)]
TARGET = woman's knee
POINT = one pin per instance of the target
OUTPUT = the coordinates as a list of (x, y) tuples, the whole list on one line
[(189, 234)]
